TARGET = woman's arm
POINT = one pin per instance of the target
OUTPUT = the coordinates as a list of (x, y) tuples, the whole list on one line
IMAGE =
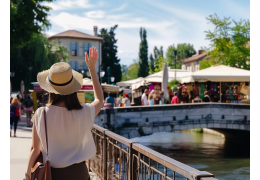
[(20, 113), (35, 151), (98, 93)]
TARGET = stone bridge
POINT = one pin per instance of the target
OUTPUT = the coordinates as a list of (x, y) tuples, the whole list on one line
[(232, 120)]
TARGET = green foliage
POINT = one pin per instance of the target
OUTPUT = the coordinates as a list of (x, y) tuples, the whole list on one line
[(27, 18), (38, 54), (159, 63), (132, 70), (151, 64), (109, 54), (183, 51), (174, 84), (143, 55), (124, 72), (206, 63), (229, 42)]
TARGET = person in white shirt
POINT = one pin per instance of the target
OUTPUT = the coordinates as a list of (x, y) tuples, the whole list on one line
[(68, 123), (144, 98)]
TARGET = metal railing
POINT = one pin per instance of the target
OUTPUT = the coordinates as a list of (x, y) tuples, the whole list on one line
[(119, 158)]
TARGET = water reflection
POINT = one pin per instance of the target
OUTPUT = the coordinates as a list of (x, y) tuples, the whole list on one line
[(226, 159)]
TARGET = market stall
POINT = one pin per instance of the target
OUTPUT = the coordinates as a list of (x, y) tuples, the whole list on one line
[(229, 84)]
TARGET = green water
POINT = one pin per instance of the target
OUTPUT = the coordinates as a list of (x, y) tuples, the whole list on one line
[(226, 159)]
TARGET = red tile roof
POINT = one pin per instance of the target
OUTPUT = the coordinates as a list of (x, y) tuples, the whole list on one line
[(76, 34), (195, 57)]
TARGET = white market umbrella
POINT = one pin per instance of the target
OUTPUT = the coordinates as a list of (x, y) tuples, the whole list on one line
[(165, 81), (22, 88)]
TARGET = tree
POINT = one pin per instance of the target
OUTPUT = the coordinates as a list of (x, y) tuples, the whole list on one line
[(143, 55), (229, 42), (133, 70), (109, 54), (124, 72), (183, 51), (27, 18), (151, 64), (39, 54), (159, 63)]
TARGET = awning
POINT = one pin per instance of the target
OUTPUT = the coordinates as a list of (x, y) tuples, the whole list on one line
[(157, 77), (139, 84), (220, 73), (109, 88), (129, 82)]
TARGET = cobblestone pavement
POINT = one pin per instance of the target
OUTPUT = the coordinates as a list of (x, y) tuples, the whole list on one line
[(19, 151)]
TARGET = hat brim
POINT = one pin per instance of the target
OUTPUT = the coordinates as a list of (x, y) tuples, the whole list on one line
[(74, 86)]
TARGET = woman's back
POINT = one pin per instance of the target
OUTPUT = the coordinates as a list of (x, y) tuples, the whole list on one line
[(69, 134)]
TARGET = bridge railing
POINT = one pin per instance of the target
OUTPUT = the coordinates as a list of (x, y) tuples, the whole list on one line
[(122, 159)]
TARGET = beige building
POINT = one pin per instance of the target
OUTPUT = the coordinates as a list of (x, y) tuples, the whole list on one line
[(78, 43), (192, 64)]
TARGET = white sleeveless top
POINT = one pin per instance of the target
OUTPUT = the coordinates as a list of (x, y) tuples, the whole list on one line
[(70, 139)]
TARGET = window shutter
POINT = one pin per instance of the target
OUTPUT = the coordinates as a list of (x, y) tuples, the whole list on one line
[(70, 48), (76, 65), (72, 65), (77, 48), (85, 66), (83, 53)]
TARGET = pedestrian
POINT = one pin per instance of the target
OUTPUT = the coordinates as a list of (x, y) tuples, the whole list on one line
[(175, 99), (15, 115), (197, 99), (68, 122), (162, 99), (126, 100), (150, 99), (144, 98), (206, 97), (110, 99), (118, 101), (223, 97), (28, 108)]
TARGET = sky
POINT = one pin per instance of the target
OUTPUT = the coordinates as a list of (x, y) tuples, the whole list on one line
[(166, 22)]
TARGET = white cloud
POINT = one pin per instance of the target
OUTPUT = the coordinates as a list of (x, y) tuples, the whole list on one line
[(95, 14), (69, 21), (69, 4), (120, 8)]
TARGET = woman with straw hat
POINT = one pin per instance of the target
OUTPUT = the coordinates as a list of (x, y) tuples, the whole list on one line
[(68, 123)]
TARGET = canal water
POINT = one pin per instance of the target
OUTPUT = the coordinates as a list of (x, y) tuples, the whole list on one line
[(227, 159)]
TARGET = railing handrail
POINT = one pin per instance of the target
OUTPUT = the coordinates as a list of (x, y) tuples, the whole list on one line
[(176, 166)]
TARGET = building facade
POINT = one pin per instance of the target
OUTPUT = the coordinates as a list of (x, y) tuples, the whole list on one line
[(192, 64), (78, 43)]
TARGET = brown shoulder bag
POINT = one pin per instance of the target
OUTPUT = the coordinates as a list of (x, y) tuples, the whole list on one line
[(42, 171)]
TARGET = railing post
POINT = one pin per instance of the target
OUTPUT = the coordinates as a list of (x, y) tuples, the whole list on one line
[(133, 163), (105, 155)]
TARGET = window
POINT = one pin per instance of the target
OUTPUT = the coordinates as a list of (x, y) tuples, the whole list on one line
[(74, 65), (86, 47), (74, 47)]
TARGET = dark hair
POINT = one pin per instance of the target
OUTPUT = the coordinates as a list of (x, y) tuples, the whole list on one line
[(71, 101), (197, 95), (161, 93)]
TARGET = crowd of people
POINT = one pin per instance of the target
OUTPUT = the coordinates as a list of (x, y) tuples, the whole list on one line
[(150, 99), (19, 106), (121, 101)]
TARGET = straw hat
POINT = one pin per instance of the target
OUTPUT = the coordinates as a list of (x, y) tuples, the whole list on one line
[(60, 79)]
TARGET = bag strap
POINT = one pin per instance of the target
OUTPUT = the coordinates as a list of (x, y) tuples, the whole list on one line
[(46, 135)]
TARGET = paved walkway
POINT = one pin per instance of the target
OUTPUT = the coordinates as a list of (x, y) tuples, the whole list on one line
[(19, 151)]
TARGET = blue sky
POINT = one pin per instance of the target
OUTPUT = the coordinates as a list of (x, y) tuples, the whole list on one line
[(166, 22)]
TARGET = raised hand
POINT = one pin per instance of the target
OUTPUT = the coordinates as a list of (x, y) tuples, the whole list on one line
[(91, 59)]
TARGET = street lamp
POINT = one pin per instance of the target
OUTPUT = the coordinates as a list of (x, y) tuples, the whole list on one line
[(112, 79), (175, 55), (29, 68), (108, 74), (102, 73)]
